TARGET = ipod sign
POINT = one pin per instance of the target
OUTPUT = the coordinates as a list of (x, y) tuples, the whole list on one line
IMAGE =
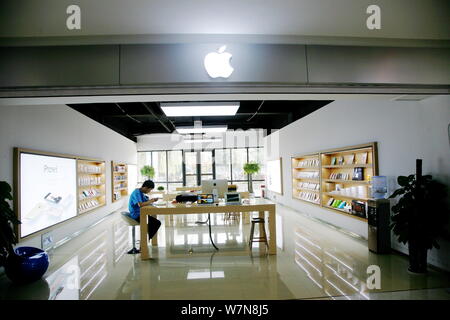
[(217, 64)]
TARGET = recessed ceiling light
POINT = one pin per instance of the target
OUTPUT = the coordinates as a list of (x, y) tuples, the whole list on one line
[(206, 129), (200, 109)]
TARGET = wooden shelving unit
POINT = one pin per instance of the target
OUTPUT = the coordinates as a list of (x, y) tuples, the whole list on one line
[(336, 176), (119, 180), (90, 184), (306, 178)]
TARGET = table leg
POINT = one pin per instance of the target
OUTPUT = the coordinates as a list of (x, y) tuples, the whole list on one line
[(155, 238), (261, 215), (246, 217), (144, 245), (272, 232)]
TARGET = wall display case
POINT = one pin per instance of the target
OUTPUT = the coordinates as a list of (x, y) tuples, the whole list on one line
[(119, 177), (343, 176), (306, 178), (52, 188), (91, 184)]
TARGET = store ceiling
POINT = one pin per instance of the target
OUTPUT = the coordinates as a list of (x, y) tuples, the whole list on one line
[(139, 118)]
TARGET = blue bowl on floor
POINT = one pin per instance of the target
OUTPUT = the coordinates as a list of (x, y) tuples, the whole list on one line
[(28, 264)]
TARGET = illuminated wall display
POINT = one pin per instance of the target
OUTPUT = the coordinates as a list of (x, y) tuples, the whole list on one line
[(274, 176), (48, 191)]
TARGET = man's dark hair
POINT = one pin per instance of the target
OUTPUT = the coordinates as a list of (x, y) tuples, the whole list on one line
[(148, 184)]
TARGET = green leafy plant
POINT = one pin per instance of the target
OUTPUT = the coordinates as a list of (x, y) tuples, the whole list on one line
[(8, 220), (148, 171), (160, 188), (251, 168), (420, 217)]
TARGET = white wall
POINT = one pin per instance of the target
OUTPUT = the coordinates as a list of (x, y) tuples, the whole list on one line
[(60, 129), (404, 131)]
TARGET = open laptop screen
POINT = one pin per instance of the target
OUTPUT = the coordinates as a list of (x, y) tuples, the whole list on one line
[(233, 197)]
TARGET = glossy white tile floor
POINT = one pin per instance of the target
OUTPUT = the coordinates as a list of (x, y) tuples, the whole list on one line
[(314, 261)]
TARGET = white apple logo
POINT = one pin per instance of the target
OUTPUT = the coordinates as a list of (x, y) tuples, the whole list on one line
[(217, 64)]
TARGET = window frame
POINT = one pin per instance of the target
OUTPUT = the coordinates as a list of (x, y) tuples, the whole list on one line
[(199, 173)]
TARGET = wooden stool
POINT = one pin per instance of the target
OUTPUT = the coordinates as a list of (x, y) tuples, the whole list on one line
[(262, 237)]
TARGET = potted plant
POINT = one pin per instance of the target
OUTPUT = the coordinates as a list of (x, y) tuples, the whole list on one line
[(7, 222), (251, 168), (160, 188), (23, 264), (148, 172), (420, 216)]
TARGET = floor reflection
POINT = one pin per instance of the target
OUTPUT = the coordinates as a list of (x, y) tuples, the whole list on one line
[(313, 262)]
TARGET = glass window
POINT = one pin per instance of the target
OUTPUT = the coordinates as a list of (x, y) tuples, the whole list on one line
[(144, 158), (191, 181), (257, 155), (241, 186), (239, 158), (206, 162), (160, 165), (175, 167), (173, 187), (190, 159), (223, 164), (207, 177)]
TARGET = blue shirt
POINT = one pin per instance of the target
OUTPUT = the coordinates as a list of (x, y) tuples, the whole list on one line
[(133, 204)]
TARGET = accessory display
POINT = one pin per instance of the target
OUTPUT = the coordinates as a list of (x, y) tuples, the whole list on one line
[(205, 198)]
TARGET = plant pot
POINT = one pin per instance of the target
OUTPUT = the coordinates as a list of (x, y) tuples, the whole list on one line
[(26, 264), (417, 257)]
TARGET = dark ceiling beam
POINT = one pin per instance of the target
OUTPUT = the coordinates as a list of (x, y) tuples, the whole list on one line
[(156, 117)]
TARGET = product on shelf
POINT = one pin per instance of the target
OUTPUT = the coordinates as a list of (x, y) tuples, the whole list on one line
[(354, 191), (308, 185), (89, 180), (120, 185), (340, 204), (84, 168), (363, 159), (88, 205), (309, 196), (358, 174), (89, 193), (308, 174), (308, 163), (359, 208), (120, 168), (348, 159), (339, 176)]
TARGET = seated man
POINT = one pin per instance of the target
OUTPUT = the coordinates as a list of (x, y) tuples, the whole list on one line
[(137, 200)]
